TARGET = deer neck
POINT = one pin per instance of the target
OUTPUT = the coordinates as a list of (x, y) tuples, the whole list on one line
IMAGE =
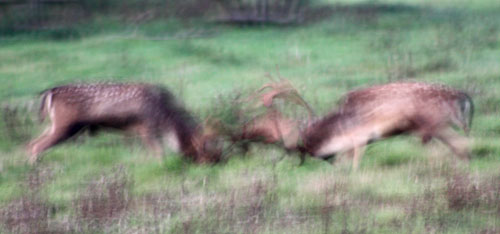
[(180, 136), (320, 132)]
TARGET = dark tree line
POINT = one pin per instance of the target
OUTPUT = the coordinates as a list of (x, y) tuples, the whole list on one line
[(27, 15), (264, 11)]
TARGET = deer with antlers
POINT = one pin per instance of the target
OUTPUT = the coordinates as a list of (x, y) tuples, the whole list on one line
[(148, 111), (373, 113)]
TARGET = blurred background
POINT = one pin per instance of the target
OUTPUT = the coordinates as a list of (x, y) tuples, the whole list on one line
[(208, 51)]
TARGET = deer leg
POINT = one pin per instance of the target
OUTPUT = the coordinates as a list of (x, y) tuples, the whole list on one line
[(329, 158), (302, 159), (457, 144), (245, 146), (55, 136), (93, 130), (150, 140), (357, 153), (302, 154), (426, 138), (154, 144), (35, 141)]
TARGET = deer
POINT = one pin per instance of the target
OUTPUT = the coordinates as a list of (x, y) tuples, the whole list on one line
[(145, 110), (378, 112)]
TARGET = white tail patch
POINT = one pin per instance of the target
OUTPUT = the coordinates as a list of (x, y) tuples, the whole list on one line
[(48, 102), (52, 115), (466, 112)]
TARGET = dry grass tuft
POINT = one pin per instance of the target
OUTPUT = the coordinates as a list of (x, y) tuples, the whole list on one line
[(462, 192), (104, 201), (26, 215)]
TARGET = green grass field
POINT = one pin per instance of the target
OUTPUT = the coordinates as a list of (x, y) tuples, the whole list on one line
[(401, 187)]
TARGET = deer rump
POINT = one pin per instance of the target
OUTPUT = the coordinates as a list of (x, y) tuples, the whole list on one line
[(378, 112), (148, 111)]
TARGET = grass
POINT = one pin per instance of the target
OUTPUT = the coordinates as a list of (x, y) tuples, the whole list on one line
[(400, 187)]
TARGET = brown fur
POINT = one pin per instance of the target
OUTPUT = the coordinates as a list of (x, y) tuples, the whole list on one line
[(383, 111), (142, 109)]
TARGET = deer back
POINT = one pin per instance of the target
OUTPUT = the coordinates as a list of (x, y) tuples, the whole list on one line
[(121, 106)]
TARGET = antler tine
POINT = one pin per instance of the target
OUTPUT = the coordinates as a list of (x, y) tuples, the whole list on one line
[(293, 95), (300, 101), (285, 90), (265, 86), (272, 85), (279, 84), (277, 88), (280, 89)]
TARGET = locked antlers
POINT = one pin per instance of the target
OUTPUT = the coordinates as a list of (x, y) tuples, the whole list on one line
[(281, 89)]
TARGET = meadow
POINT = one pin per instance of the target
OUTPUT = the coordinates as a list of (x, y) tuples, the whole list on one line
[(108, 184)]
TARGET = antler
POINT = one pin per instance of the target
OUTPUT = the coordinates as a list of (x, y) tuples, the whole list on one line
[(283, 89)]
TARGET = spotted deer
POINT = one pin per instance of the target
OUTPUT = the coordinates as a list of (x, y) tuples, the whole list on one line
[(382, 111), (148, 111)]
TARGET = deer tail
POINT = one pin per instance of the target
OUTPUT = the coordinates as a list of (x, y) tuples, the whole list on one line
[(45, 104), (466, 112)]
